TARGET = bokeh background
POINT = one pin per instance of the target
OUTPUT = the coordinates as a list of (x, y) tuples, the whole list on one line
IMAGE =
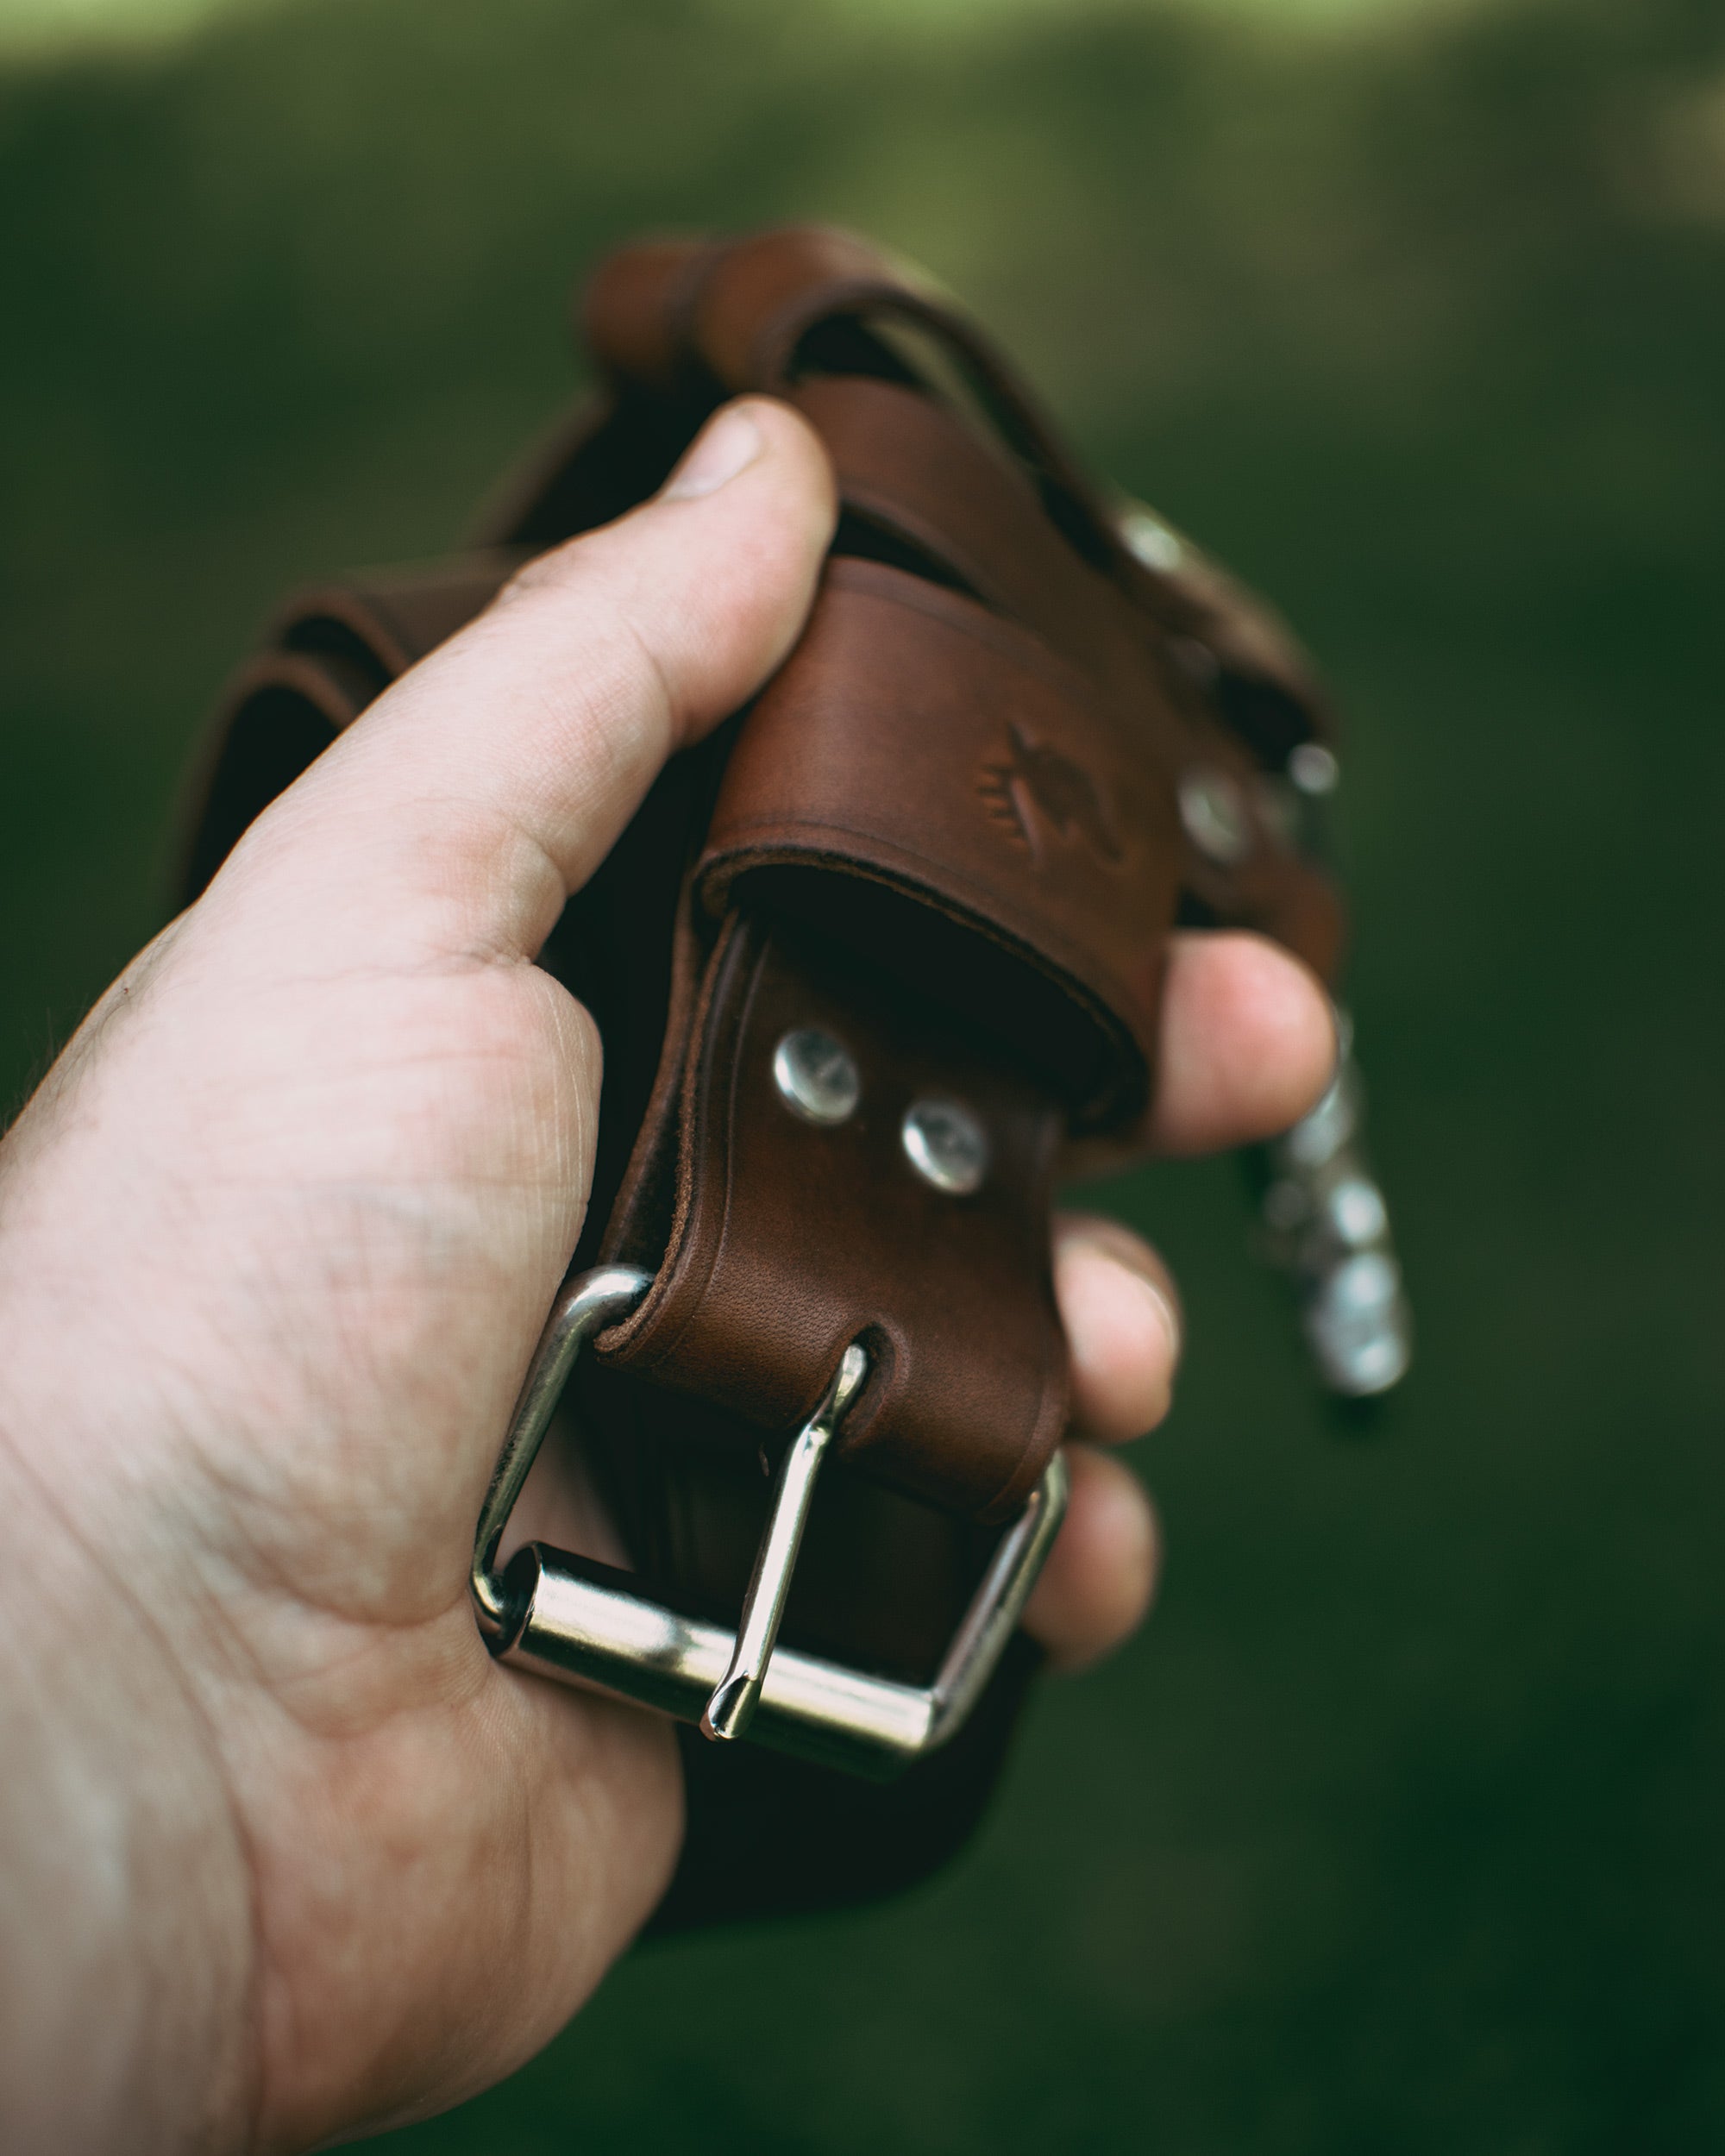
[(1400, 1827)]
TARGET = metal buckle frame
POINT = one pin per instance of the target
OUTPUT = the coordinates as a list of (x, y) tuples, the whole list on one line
[(570, 1618)]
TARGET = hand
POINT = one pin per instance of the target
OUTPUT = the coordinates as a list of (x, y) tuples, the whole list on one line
[(288, 1855)]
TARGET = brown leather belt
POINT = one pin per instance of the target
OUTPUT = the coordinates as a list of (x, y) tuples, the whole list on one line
[(863, 964)]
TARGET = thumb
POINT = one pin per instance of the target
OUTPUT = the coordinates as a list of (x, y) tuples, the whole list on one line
[(456, 815)]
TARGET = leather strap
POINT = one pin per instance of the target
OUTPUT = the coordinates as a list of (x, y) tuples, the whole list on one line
[(952, 834)]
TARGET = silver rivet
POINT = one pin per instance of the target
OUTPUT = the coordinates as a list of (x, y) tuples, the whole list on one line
[(1314, 768), (1214, 811), (1357, 1325), (1320, 1136), (947, 1146), (817, 1076), (1150, 539), (1366, 1285), (1356, 1211)]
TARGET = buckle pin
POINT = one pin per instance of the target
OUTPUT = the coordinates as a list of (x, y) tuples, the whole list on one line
[(737, 1693)]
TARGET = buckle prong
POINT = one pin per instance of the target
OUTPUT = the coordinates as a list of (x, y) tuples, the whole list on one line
[(731, 1708)]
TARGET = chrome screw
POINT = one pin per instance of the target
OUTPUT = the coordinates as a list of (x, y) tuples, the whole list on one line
[(947, 1146), (1214, 811), (1320, 1134), (1314, 768), (817, 1076), (1150, 539), (1358, 1325), (1355, 1214)]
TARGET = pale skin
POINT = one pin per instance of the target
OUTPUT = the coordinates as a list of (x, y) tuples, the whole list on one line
[(284, 1856)]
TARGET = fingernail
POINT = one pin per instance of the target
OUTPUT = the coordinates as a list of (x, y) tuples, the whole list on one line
[(1164, 1307), (1125, 1252), (723, 447), (1127, 1255)]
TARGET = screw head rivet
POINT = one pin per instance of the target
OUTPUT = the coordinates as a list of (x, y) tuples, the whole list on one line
[(817, 1076), (1214, 810), (1314, 770), (1356, 1213), (1150, 539), (947, 1146)]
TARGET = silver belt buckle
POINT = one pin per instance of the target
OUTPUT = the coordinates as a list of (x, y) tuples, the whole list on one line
[(569, 1618)]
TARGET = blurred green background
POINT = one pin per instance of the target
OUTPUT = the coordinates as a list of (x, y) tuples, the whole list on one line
[(1400, 1827)]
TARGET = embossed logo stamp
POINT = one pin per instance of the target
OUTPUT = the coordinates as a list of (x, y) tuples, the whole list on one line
[(1034, 786)]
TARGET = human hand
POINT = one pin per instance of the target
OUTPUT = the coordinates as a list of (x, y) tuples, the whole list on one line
[(289, 1856)]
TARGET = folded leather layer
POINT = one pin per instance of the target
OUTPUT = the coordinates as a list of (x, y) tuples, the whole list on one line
[(920, 743)]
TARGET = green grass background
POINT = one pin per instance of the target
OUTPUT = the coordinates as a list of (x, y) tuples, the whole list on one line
[(1399, 1830)]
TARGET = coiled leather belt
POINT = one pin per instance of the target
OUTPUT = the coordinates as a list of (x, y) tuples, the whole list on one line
[(863, 964)]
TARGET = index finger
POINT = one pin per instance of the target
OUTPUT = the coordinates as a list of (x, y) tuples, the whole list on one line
[(454, 816)]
